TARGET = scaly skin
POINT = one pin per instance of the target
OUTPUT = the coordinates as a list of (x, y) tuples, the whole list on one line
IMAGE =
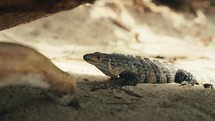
[(132, 69)]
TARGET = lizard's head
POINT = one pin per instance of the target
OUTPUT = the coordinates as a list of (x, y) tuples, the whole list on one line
[(110, 64)]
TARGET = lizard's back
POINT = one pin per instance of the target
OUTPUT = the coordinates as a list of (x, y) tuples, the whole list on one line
[(153, 71)]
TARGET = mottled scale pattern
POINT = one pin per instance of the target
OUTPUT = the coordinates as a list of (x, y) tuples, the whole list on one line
[(145, 70), (153, 71)]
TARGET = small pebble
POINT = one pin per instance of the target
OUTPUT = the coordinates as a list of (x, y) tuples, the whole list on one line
[(207, 85)]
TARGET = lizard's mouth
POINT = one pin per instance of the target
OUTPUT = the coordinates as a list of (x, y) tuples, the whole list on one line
[(86, 57), (96, 61), (90, 59)]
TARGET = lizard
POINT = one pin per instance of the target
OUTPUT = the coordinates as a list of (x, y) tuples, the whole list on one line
[(132, 70), (23, 65)]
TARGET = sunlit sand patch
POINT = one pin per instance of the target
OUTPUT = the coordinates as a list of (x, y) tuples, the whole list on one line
[(78, 67)]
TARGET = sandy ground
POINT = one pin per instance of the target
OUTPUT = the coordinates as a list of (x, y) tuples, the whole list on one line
[(165, 102), (181, 38)]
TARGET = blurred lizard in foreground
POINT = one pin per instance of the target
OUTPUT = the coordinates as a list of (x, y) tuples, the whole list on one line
[(22, 65)]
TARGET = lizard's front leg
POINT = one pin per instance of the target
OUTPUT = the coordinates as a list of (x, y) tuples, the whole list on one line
[(128, 78)]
